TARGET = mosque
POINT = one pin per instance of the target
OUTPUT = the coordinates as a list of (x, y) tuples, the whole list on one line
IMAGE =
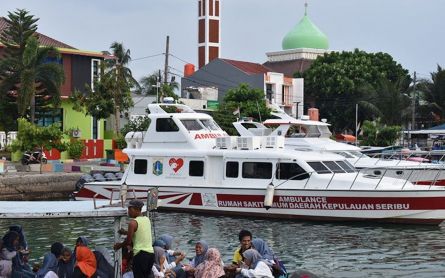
[(215, 76)]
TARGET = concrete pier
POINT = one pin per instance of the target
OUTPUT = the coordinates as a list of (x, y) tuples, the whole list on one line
[(35, 186)]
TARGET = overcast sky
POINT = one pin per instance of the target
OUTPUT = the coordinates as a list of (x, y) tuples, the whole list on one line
[(412, 31)]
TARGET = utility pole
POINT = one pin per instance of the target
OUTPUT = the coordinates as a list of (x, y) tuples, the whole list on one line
[(413, 122), (167, 44)]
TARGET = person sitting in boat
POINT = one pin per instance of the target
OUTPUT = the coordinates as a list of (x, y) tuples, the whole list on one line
[(269, 257), (174, 266), (86, 265), (256, 267), (5, 264), (66, 264), (104, 267), (211, 267), (201, 248), (171, 254), (49, 268), (10, 251), (161, 267), (245, 239), (82, 241)]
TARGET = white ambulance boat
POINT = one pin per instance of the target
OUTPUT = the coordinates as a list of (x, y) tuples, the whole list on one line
[(198, 168)]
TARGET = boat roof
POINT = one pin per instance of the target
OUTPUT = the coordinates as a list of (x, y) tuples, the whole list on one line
[(293, 121), (58, 209)]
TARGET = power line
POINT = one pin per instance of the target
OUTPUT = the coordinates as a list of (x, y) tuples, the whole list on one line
[(147, 57)]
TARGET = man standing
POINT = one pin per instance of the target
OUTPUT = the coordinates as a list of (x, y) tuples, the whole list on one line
[(139, 235)]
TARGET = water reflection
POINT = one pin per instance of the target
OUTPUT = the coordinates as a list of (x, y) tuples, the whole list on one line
[(330, 250)]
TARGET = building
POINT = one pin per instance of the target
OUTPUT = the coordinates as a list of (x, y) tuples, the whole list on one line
[(225, 74), (300, 47), (209, 31), (80, 68)]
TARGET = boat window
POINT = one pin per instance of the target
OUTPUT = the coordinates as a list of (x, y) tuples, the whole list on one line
[(319, 167), (346, 166), (345, 154), (257, 170), (166, 125), (196, 168), (140, 166), (192, 124), (290, 171), (210, 124), (232, 169), (333, 166)]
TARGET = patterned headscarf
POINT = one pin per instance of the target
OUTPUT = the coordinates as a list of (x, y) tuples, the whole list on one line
[(253, 256), (200, 258), (211, 267), (261, 246)]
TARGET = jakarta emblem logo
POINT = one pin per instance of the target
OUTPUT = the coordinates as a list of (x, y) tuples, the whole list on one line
[(157, 168)]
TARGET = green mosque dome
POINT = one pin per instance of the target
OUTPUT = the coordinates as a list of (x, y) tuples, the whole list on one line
[(305, 35)]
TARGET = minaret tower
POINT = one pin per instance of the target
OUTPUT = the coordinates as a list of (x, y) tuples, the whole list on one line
[(209, 31)]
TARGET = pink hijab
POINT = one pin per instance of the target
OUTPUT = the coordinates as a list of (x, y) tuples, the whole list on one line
[(211, 267)]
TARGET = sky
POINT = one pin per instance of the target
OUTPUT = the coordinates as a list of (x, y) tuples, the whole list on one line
[(411, 31)]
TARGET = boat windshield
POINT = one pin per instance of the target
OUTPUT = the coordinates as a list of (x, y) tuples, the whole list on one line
[(192, 125), (310, 131), (329, 167), (358, 154), (210, 124)]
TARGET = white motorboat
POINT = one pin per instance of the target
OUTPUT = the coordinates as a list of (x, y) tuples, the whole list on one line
[(198, 168), (307, 135)]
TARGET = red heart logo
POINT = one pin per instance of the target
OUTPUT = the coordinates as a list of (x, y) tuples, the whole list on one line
[(179, 162)]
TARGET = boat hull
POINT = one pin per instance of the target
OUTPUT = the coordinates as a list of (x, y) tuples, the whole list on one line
[(405, 206)]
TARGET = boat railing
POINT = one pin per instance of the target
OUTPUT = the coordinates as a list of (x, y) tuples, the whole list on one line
[(436, 156)]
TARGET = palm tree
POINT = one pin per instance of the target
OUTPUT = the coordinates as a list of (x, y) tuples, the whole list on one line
[(25, 72), (119, 72), (149, 83), (387, 101), (433, 93)]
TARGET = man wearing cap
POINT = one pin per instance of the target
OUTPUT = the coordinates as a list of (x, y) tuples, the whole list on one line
[(139, 234)]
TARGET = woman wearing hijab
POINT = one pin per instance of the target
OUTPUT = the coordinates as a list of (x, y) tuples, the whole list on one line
[(160, 267), (256, 266), (171, 254), (51, 261), (10, 252), (201, 248), (211, 267), (85, 263), (5, 265), (268, 255)]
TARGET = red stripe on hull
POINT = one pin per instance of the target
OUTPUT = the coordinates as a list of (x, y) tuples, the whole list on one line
[(411, 221)]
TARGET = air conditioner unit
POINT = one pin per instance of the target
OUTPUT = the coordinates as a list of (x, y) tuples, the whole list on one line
[(76, 133), (226, 142), (248, 143), (273, 142)]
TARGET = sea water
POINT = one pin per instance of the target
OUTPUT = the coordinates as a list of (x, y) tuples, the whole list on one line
[(326, 249)]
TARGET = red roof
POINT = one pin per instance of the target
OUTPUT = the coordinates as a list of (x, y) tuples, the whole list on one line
[(247, 67), (44, 40)]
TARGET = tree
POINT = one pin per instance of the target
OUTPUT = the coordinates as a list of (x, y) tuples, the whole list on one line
[(124, 80), (31, 136), (25, 71), (248, 101), (333, 82), (387, 101), (167, 89), (111, 92), (377, 134), (433, 93)]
